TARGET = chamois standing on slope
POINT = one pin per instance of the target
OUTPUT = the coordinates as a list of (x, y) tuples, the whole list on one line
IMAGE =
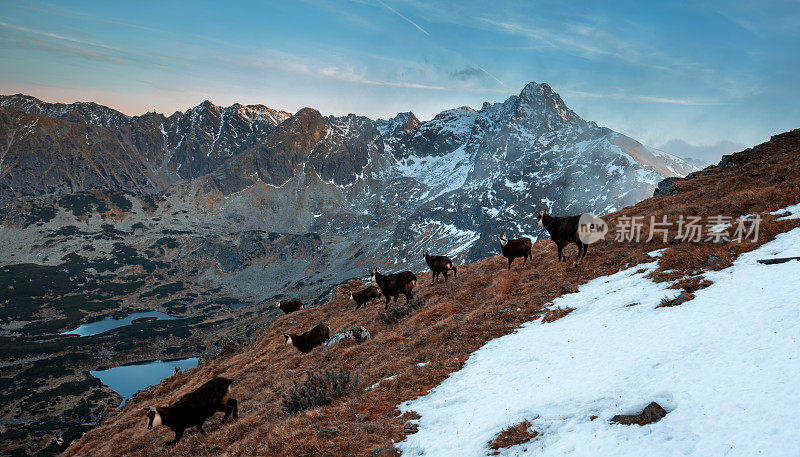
[(310, 339), (290, 306), (394, 284), (440, 264), (194, 408), (512, 249), (367, 294), (563, 231)]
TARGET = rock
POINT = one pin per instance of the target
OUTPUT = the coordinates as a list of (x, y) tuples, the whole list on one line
[(567, 288), (666, 187), (358, 334), (726, 162), (327, 432), (361, 416), (679, 300), (383, 451), (650, 414), (713, 261)]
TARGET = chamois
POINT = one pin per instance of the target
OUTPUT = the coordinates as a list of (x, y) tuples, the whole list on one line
[(394, 284), (194, 408), (563, 231), (521, 247), (440, 264), (367, 294), (64, 443), (310, 339), (289, 306)]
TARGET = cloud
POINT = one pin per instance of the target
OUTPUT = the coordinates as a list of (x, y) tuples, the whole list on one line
[(468, 72), (639, 98), (57, 36), (348, 75), (406, 19)]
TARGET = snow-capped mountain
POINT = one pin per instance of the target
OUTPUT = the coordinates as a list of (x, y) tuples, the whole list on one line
[(390, 187)]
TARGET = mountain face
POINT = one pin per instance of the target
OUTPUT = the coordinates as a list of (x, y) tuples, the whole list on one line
[(458, 178)]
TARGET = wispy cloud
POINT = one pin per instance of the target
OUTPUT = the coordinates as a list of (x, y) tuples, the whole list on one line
[(57, 36), (351, 76), (639, 98), (405, 18)]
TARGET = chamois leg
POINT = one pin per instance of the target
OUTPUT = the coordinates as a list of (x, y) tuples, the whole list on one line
[(455, 272), (434, 277), (560, 252), (232, 406), (509, 262), (445, 275), (178, 435), (585, 248)]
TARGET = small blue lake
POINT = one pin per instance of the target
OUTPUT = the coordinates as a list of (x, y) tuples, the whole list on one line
[(126, 380), (104, 325)]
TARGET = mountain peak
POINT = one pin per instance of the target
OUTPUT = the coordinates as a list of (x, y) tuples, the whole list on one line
[(542, 98)]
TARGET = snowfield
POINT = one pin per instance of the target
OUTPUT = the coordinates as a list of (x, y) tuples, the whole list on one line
[(726, 366)]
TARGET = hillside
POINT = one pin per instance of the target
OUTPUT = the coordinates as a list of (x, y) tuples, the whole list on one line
[(406, 360)]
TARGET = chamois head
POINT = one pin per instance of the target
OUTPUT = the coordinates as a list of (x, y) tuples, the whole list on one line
[(503, 239), (153, 418), (540, 215), (287, 339), (372, 273), (351, 295), (60, 440), (425, 255)]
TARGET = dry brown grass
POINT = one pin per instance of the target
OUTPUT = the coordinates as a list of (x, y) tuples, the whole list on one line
[(459, 317), (514, 435)]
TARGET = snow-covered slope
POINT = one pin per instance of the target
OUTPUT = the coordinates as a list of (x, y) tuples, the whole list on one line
[(724, 365)]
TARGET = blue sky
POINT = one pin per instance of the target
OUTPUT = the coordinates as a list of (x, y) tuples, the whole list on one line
[(700, 72)]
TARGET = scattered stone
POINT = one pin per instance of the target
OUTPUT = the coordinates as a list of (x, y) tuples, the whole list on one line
[(358, 334), (383, 451), (568, 288), (505, 310), (591, 418), (679, 300), (713, 261), (326, 432), (410, 427), (650, 414), (361, 416)]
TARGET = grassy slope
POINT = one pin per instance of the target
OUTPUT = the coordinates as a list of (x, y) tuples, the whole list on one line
[(484, 302)]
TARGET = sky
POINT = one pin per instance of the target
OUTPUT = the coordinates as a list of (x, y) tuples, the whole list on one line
[(698, 73)]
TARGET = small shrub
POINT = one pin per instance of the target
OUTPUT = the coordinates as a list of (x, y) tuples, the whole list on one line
[(396, 313), (319, 389)]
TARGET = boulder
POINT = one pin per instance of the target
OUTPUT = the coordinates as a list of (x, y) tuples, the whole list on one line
[(726, 162), (358, 334), (650, 414), (666, 187)]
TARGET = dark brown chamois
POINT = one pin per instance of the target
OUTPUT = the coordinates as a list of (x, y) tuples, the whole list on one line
[(194, 408), (563, 231), (367, 294), (521, 247), (394, 284), (310, 339), (440, 264), (289, 306)]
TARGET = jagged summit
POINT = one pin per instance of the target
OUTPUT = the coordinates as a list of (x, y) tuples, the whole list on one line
[(402, 121)]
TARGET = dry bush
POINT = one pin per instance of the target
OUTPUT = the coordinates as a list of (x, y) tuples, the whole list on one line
[(395, 313), (556, 314), (319, 389), (516, 434)]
